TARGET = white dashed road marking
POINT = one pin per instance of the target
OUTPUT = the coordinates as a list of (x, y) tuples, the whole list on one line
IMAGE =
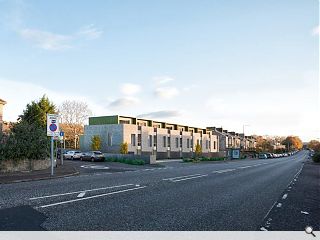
[(183, 179), (88, 190), (96, 196), (285, 196), (224, 171)]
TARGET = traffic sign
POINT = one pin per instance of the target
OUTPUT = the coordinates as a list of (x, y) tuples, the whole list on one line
[(61, 134), (52, 125)]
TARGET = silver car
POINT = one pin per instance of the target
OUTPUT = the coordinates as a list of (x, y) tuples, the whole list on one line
[(72, 155)]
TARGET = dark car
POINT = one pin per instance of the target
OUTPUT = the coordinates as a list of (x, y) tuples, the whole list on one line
[(92, 156)]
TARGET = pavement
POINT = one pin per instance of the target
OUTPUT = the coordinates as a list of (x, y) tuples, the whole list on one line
[(299, 204), (228, 196), (61, 171)]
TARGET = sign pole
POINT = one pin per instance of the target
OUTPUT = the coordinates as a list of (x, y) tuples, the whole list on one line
[(61, 153), (52, 156)]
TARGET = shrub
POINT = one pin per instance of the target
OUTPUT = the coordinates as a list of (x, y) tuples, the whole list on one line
[(316, 157), (124, 148), (95, 143)]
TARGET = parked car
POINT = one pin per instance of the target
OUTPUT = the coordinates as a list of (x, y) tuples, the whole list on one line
[(269, 155), (92, 156), (72, 155), (263, 156)]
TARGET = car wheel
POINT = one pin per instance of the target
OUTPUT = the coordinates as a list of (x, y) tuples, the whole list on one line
[(71, 157), (92, 159), (81, 159)]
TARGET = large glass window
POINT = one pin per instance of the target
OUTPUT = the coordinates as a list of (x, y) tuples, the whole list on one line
[(164, 141), (188, 143), (150, 140), (177, 142)]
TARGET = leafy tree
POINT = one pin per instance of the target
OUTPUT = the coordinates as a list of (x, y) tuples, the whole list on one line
[(124, 148), (27, 138), (314, 145), (293, 142), (25, 141), (96, 143), (36, 112)]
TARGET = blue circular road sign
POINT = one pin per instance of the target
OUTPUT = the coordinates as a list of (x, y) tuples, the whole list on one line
[(53, 127)]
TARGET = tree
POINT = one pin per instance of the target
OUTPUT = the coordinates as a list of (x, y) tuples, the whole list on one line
[(96, 143), (198, 150), (73, 115), (293, 142), (263, 145), (27, 138), (314, 145), (36, 112), (124, 148)]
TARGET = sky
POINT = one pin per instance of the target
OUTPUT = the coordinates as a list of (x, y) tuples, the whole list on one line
[(198, 63)]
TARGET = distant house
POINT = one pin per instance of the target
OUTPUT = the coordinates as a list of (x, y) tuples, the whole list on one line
[(2, 103)]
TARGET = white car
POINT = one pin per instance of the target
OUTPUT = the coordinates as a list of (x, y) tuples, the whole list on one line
[(72, 155)]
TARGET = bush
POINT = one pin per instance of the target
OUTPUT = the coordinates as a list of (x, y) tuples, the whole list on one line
[(316, 157), (125, 160), (124, 148), (95, 143)]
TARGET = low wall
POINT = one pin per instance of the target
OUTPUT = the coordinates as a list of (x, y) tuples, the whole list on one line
[(23, 165), (148, 159)]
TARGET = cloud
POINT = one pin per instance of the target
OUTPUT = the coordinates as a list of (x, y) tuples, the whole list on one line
[(123, 102), (130, 88), (316, 31), (161, 114), (90, 32), (166, 92), (162, 79), (28, 92), (46, 40), (53, 41)]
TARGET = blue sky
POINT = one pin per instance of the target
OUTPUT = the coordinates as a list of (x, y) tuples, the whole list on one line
[(201, 63)]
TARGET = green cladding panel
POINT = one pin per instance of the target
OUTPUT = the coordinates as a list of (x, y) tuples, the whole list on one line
[(104, 120)]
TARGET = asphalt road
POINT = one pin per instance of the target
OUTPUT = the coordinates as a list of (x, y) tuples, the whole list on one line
[(236, 195)]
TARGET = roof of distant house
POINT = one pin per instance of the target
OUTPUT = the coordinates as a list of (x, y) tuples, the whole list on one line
[(2, 101)]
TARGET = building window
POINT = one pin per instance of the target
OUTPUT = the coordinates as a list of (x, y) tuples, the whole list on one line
[(164, 141), (214, 144), (188, 143), (192, 143), (150, 140), (109, 139), (207, 144), (133, 139), (181, 142), (177, 142), (155, 140), (198, 141), (139, 139), (124, 121), (169, 141)]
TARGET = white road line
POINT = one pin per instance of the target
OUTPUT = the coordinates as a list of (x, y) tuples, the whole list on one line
[(96, 196), (89, 190), (279, 205), (184, 179), (225, 170), (81, 194), (285, 196), (166, 179), (245, 167)]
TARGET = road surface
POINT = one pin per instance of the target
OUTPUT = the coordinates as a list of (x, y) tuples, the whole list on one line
[(233, 195)]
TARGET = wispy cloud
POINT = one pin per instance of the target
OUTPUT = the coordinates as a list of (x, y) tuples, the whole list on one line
[(161, 114), (166, 92), (162, 79), (46, 40), (90, 32), (123, 102), (54, 41), (130, 89), (316, 30)]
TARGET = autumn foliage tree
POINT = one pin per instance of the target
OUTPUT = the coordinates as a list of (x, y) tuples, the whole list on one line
[(314, 145), (293, 142), (124, 148), (95, 143)]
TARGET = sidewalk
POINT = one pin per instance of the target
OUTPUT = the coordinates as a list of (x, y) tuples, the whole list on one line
[(301, 206), (61, 171)]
